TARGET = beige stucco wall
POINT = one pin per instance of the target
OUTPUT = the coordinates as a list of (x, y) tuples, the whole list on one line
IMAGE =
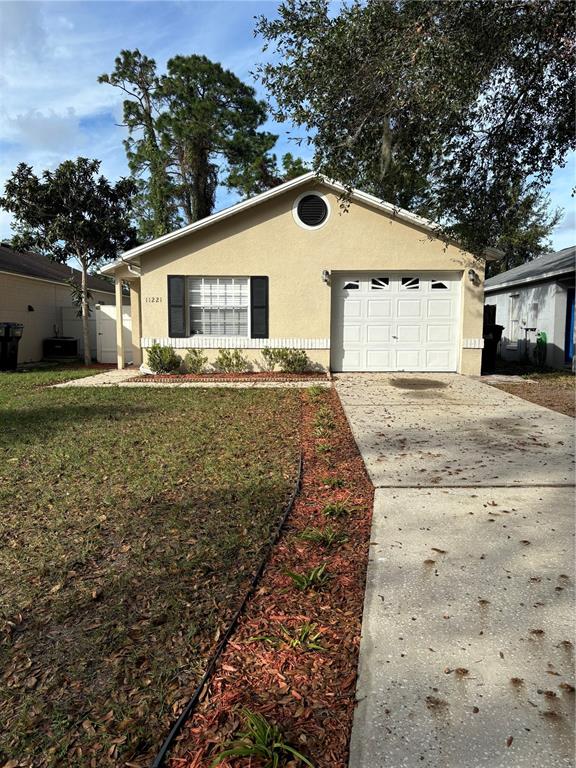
[(265, 240), (18, 292)]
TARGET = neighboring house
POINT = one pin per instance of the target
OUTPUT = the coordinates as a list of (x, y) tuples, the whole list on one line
[(364, 287), (33, 291), (536, 296)]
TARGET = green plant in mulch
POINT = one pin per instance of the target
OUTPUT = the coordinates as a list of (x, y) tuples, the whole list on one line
[(327, 537), (231, 361), (335, 509), (315, 578), (303, 638), (333, 482), (264, 741), (163, 359), (195, 361), (324, 421), (316, 393), (323, 448)]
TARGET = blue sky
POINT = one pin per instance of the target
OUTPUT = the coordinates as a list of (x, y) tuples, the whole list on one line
[(51, 53)]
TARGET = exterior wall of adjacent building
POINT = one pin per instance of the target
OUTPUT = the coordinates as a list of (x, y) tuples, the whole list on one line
[(267, 241), (48, 300), (534, 305)]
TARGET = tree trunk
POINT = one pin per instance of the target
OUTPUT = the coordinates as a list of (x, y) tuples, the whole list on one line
[(85, 331)]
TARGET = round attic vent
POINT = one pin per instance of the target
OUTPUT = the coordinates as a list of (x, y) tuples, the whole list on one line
[(312, 210)]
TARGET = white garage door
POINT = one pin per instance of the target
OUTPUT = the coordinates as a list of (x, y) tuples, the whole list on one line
[(395, 322)]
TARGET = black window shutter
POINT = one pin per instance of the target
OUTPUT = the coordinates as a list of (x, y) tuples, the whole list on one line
[(176, 306), (259, 307)]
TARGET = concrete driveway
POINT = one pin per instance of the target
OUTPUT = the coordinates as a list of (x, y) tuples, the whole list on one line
[(466, 658)]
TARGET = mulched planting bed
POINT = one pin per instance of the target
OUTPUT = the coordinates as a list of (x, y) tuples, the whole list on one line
[(175, 378), (308, 694), (556, 392)]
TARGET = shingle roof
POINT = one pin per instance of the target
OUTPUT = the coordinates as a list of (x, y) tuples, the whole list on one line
[(549, 265), (35, 265)]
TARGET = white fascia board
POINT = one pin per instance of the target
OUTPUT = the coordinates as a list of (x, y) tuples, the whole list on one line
[(525, 280), (355, 194)]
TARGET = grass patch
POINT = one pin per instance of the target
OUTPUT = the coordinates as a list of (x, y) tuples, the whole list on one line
[(131, 523)]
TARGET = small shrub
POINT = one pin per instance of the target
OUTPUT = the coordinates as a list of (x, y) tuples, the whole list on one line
[(163, 359), (231, 361), (313, 579), (315, 392), (293, 360), (271, 358), (335, 509), (195, 361), (261, 740), (333, 482), (326, 537)]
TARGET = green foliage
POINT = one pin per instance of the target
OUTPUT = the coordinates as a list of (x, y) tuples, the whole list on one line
[(195, 361), (315, 392), (438, 106), (264, 173), (333, 482), (71, 212), (335, 509), (324, 421), (264, 741), (231, 361), (163, 359), (271, 358), (323, 448), (184, 127), (288, 360), (315, 578), (304, 638), (327, 537)]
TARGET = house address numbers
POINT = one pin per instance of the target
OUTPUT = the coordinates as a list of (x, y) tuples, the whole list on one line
[(153, 300)]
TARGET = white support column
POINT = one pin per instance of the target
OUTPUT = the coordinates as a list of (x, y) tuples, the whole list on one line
[(119, 324)]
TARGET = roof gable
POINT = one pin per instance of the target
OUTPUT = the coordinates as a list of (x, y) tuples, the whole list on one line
[(357, 195)]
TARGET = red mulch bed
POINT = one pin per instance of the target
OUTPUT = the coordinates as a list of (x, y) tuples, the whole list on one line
[(174, 378), (309, 694)]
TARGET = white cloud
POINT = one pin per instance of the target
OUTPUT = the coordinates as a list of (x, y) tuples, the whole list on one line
[(45, 131)]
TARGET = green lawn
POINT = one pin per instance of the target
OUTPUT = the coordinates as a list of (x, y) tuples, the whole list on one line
[(130, 523)]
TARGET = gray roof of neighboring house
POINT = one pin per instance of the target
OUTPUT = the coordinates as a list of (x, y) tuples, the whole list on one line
[(34, 265), (548, 266)]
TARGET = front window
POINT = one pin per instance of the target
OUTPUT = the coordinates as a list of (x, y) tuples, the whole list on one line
[(218, 306)]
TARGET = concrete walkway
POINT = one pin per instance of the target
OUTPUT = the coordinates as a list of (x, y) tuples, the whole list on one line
[(124, 378), (466, 659), (110, 378)]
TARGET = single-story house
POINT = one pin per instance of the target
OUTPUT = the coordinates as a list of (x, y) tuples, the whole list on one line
[(34, 292), (365, 287), (534, 297)]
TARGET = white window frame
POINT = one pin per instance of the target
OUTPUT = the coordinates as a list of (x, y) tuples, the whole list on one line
[(189, 305), (513, 320)]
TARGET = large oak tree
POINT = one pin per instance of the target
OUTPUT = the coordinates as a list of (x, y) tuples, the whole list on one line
[(447, 107)]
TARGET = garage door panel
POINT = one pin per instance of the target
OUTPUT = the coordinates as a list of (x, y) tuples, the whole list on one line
[(379, 308), (438, 359), (352, 333), (394, 325), (379, 360), (439, 333), (408, 359), (352, 308), (409, 334), (440, 308), (379, 333), (408, 308)]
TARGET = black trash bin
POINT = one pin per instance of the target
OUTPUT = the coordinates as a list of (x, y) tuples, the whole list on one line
[(10, 335), (492, 335)]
